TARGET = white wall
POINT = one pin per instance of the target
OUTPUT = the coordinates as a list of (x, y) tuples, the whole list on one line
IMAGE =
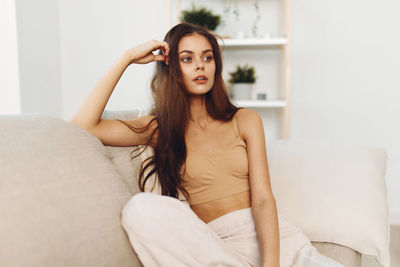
[(346, 88), (38, 53), (9, 74), (93, 35)]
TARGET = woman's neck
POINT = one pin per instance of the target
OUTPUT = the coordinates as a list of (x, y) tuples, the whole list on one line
[(198, 112)]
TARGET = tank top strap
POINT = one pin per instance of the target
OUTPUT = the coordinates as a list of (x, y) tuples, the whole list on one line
[(235, 126)]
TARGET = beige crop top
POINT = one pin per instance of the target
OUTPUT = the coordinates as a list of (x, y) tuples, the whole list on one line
[(216, 170)]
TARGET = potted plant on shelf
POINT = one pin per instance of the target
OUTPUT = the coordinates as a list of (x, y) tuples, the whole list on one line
[(242, 80), (201, 16)]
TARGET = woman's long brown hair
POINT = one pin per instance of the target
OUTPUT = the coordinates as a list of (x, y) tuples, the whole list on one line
[(171, 109)]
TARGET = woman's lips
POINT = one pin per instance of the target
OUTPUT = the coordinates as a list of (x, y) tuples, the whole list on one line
[(200, 81)]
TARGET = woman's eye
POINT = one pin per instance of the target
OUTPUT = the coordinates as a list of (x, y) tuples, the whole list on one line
[(208, 58), (189, 59), (186, 59)]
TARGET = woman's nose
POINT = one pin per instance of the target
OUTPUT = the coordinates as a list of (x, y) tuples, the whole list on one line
[(200, 65)]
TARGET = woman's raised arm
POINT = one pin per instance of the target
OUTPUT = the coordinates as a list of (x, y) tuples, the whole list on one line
[(89, 113)]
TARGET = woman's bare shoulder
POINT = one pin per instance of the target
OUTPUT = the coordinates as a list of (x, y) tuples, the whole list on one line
[(246, 120), (245, 114)]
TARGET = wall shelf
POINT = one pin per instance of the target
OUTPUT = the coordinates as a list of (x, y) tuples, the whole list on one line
[(260, 103), (254, 42)]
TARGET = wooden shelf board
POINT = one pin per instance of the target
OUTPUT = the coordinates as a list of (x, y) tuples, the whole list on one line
[(260, 103), (254, 42)]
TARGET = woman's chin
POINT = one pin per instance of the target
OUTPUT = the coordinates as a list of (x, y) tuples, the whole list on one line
[(199, 90)]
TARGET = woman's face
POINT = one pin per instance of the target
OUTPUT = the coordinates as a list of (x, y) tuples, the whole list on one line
[(196, 60)]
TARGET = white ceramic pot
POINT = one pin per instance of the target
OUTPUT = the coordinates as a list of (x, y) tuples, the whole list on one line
[(242, 91)]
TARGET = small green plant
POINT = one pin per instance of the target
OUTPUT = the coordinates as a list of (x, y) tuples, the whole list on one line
[(245, 74), (201, 16)]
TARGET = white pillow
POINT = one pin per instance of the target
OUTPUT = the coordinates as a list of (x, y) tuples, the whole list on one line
[(333, 192)]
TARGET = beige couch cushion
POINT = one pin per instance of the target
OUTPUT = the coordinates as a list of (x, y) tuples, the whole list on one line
[(127, 166), (60, 197), (346, 256), (123, 158)]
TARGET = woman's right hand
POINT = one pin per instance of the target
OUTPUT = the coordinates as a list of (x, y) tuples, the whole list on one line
[(142, 54)]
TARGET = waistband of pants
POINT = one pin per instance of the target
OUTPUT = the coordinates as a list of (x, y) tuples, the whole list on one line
[(231, 219)]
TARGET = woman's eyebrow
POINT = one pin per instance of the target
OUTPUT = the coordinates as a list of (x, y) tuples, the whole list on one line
[(191, 52)]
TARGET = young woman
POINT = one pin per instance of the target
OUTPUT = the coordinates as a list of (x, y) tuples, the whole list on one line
[(205, 149)]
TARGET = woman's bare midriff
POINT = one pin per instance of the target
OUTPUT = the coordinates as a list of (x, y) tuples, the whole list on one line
[(213, 209)]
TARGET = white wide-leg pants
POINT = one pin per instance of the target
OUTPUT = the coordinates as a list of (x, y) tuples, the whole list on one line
[(165, 231)]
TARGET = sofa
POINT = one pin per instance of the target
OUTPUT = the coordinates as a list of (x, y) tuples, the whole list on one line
[(62, 192)]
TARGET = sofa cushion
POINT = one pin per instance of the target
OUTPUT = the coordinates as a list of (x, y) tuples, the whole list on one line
[(123, 158), (346, 256), (126, 165), (60, 197), (334, 192)]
